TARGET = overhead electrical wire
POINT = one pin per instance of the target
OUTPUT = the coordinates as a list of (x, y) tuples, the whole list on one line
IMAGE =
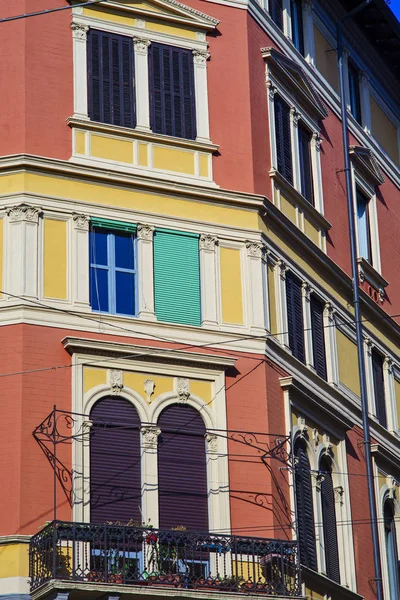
[(48, 11)]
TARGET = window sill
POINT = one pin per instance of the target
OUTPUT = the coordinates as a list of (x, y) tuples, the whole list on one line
[(367, 273), (141, 135), (298, 199)]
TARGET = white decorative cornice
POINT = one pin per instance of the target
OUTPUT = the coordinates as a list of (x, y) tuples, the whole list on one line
[(116, 382), (81, 221), (79, 31), (366, 162), (145, 232), (141, 45), (208, 242), (150, 436), (200, 57), (24, 212)]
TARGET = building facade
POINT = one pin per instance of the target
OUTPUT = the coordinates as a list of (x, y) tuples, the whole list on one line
[(180, 393)]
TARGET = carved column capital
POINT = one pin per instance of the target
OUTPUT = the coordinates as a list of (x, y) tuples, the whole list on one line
[(306, 287), (145, 232), (339, 493), (79, 31), (212, 443), (24, 212), (200, 57), (255, 249), (303, 427), (295, 116), (282, 266), (329, 311), (271, 90), (208, 242), (317, 141), (388, 364), (150, 435), (81, 221), (308, 6), (369, 345), (363, 78), (141, 45)]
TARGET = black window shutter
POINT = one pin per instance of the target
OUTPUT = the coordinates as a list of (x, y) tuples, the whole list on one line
[(110, 78), (305, 510), (283, 138), (318, 338), (115, 480), (275, 8), (329, 521), (182, 472), (172, 97), (379, 388), (306, 179), (294, 307)]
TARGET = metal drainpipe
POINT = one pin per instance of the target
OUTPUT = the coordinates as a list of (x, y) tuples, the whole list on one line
[(357, 309)]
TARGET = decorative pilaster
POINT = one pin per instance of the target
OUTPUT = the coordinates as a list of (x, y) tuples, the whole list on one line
[(200, 58), (365, 101), (390, 394), (22, 275), (141, 47), (294, 132), (149, 443), (308, 338), (145, 235), (257, 286), (332, 365), (208, 275), (79, 35), (80, 259), (280, 285)]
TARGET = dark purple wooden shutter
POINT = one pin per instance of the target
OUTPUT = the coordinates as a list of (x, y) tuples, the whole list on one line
[(110, 78), (182, 471), (294, 306), (305, 510), (283, 138), (379, 388), (329, 520), (318, 338), (172, 97), (115, 480), (275, 9)]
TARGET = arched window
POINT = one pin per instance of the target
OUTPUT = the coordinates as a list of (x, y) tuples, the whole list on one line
[(115, 482), (329, 520), (182, 469), (305, 509), (391, 550)]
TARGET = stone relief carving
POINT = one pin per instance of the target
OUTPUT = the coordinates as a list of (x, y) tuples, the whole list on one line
[(79, 31), (81, 221), (183, 389), (200, 57), (141, 45), (149, 389), (145, 232), (24, 212), (212, 442), (150, 435), (208, 242), (255, 249), (116, 382)]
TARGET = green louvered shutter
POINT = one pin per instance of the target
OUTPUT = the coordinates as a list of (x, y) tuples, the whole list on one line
[(177, 277)]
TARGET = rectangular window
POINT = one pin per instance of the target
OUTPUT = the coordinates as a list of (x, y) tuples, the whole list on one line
[(275, 9), (294, 305), (177, 277), (354, 91), (379, 388), (283, 138), (296, 14), (363, 227), (172, 95), (110, 78), (318, 337), (306, 179), (112, 271)]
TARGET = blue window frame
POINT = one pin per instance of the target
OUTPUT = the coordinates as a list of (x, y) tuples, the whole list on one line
[(112, 271)]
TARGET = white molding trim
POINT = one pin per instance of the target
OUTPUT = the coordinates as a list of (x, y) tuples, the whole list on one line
[(141, 58), (145, 272), (209, 280)]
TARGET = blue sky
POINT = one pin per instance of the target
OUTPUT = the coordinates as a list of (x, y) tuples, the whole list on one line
[(395, 6)]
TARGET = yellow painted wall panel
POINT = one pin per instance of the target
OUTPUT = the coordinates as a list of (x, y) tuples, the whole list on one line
[(203, 165), (397, 391), (143, 158), (272, 300), (202, 389), (169, 159), (384, 131), (93, 377), (312, 232), (110, 15), (348, 364), (111, 149), (135, 381), (325, 59), (313, 595), (55, 259), (80, 142), (288, 209), (231, 286), (14, 560), (1, 256), (180, 30), (112, 195)]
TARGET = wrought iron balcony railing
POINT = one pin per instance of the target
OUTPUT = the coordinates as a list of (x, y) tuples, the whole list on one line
[(122, 554)]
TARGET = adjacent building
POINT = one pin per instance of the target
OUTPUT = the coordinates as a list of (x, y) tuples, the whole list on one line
[(179, 385)]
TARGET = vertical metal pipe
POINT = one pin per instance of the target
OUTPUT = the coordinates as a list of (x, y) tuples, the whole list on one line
[(357, 309), (54, 464)]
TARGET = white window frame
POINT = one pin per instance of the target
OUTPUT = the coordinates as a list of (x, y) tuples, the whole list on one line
[(388, 382), (363, 88), (297, 114), (369, 192), (141, 38)]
